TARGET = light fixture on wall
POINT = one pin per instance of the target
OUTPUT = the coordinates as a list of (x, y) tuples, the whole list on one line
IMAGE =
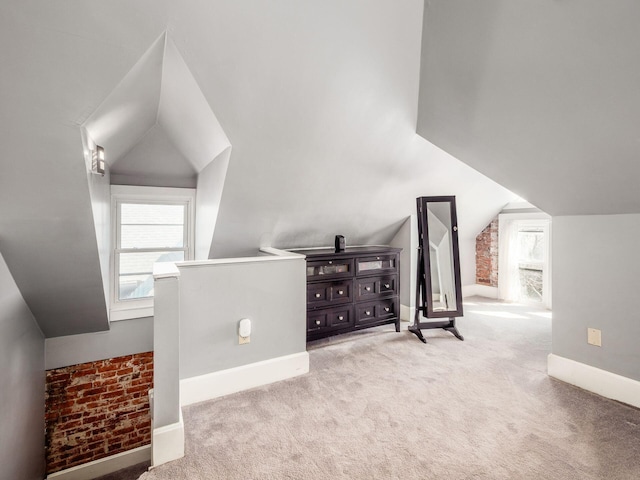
[(97, 161)]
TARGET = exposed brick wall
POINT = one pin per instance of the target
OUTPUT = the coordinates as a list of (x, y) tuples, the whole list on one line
[(487, 255), (97, 409)]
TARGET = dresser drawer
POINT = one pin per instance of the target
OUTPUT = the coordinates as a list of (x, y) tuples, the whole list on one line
[(368, 288), (330, 318), (325, 269), (352, 289), (374, 311), (329, 293), (376, 265)]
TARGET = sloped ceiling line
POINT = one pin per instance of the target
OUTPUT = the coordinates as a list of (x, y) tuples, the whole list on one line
[(158, 129), (158, 90)]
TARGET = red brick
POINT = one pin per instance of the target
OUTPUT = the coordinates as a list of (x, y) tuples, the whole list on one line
[(97, 409), (93, 418), (108, 395), (97, 390), (54, 376), (487, 255), (138, 388)]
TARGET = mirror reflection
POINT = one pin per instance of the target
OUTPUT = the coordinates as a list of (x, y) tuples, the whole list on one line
[(443, 286)]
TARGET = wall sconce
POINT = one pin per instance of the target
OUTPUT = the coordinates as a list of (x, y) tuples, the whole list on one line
[(97, 161)]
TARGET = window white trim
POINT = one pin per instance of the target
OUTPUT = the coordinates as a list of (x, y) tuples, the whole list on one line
[(509, 222), (123, 310)]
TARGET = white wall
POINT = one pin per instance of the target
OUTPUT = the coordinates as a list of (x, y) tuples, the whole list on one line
[(595, 284), (22, 382)]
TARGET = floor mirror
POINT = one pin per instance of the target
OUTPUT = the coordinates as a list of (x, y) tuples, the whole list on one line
[(438, 286)]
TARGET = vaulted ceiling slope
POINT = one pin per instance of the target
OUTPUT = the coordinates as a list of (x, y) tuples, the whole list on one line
[(318, 98), (157, 106), (542, 97)]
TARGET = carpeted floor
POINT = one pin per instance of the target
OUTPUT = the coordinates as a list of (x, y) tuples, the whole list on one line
[(381, 405)]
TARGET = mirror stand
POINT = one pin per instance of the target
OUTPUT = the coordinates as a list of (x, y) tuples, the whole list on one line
[(448, 325), (438, 286)]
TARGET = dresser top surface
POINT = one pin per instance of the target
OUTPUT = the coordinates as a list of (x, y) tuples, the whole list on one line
[(348, 252)]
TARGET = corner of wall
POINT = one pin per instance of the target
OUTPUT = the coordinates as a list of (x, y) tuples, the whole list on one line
[(406, 238), (601, 382)]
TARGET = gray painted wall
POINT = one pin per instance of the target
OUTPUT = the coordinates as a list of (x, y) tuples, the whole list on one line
[(320, 103), (407, 239), (541, 96), (124, 337), (154, 161), (319, 100), (22, 383), (166, 359), (595, 284), (100, 194), (213, 299), (48, 235), (209, 193)]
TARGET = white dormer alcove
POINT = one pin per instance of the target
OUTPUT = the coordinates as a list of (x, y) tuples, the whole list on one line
[(158, 129)]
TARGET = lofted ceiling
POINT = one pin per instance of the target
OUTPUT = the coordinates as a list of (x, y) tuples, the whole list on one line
[(543, 97), (156, 124), (318, 98)]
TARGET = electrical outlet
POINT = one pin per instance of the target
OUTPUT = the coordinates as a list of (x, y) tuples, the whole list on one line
[(243, 340), (594, 337)]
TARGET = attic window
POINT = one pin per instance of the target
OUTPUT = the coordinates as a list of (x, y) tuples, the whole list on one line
[(150, 225)]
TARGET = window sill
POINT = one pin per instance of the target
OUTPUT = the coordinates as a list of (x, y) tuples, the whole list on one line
[(130, 313)]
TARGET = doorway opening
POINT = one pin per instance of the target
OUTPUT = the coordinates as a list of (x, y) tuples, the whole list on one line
[(525, 259)]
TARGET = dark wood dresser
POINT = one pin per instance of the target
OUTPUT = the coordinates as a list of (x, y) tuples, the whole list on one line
[(350, 290)]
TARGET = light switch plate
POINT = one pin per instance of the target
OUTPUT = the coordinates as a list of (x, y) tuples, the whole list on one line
[(594, 337)]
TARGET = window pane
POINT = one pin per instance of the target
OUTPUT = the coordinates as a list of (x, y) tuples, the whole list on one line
[(151, 214), (530, 245), (142, 263), (151, 236), (531, 284), (135, 286), (136, 279)]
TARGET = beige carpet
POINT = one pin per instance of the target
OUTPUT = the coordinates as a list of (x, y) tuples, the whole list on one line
[(381, 405)]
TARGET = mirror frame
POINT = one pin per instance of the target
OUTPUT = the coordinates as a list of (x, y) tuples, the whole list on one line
[(427, 292)]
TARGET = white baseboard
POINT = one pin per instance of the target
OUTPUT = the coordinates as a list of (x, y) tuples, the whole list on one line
[(104, 466), (406, 313), (232, 380), (479, 290), (167, 443), (595, 380)]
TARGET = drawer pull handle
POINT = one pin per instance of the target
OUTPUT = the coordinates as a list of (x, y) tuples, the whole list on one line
[(377, 258), (340, 292), (386, 309), (340, 317), (368, 289), (317, 295), (330, 262), (367, 312), (386, 285), (317, 322)]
